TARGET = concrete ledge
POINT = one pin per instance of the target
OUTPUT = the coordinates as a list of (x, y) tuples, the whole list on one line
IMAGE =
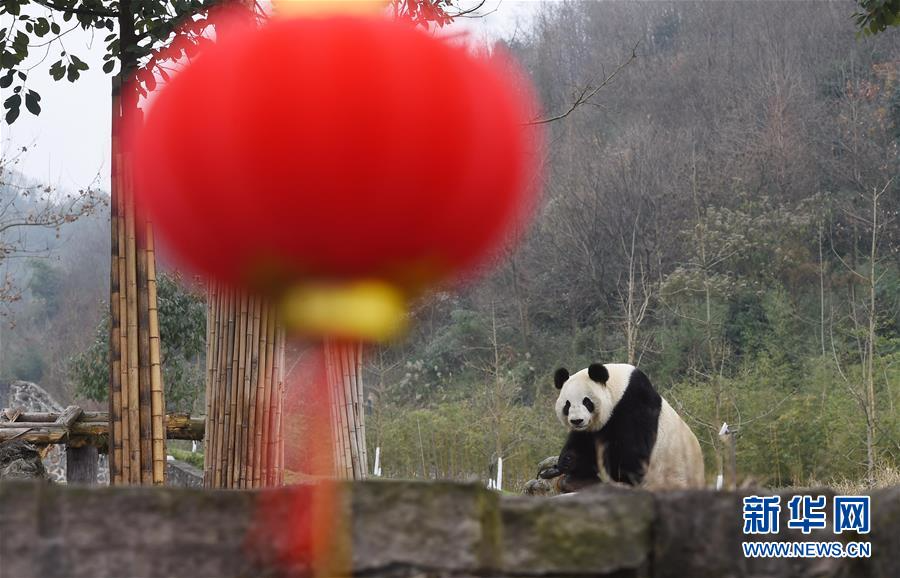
[(405, 529)]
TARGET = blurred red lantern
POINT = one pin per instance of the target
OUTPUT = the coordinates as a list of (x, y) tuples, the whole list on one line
[(337, 150)]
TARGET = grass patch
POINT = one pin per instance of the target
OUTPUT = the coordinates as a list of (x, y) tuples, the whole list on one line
[(193, 458)]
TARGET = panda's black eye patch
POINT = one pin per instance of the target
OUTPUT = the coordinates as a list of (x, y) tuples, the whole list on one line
[(566, 408), (588, 404)]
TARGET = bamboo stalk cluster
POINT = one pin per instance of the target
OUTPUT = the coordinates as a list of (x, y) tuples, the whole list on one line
[(244, 392), (136, 405), (343, 362)]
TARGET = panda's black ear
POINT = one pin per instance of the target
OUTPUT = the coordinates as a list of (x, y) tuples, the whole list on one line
[(597, 372), (560, 377)]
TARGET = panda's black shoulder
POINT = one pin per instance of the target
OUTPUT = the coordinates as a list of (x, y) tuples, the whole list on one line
[(639, 407), (630, 434), (640, 392)]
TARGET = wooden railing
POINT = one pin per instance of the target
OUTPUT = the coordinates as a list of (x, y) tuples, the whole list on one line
[(84, 433)]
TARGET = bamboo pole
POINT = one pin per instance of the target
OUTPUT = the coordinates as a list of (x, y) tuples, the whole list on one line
[(278, 373), (123, 328), (332, 400), (344, 407), (269, 384), (257, 341), (251, 366), (223, 316), (343, 361), (237, 405), (360, 410), (136, 403), (134, 423), (243, 391), (343, 353), (89, 429), (115, 352), (212, 333), (223, 480), (342, 412), (143, 384), (157, 403)]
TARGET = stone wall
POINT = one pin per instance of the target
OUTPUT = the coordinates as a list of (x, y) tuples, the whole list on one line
[(182, 474), (401, 529)]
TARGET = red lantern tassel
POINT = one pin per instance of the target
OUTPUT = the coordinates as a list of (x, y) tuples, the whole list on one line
[(303, 528)]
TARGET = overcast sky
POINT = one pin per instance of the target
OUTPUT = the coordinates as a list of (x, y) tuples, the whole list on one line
[(68, 144)]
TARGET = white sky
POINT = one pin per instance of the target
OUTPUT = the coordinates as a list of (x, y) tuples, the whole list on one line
[(69, 142)]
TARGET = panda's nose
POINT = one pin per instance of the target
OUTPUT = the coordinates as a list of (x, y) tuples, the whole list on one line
[(576, 421)]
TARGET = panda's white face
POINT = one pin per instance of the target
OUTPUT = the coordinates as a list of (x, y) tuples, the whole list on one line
[(587, 398), (578, 401)]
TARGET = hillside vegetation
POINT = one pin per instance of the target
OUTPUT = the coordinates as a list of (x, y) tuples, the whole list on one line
[(723, 213)]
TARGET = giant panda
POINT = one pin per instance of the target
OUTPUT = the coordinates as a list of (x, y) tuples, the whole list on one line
[(622, 430)]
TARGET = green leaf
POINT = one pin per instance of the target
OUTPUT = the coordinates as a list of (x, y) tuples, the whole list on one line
[(20, 42), (41, 27), (108, 67), (57, 70), (32, 100), (6, 79), (12, 115), (12, 105), (13, 101), (54, 28), (72, 73), (79, 63)]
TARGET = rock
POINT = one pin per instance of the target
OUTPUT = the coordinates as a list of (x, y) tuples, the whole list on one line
[(885, 536), (32, 398), (182, 474), (409, 529), (546, 464), (594, 532), (454, 527), (539, 487), (20, 460)]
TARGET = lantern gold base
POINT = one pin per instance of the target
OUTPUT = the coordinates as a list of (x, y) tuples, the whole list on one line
[(364, 310)]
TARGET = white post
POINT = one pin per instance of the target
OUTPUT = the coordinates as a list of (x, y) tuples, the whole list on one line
[(726, 434), (377, 470), (499, 483)]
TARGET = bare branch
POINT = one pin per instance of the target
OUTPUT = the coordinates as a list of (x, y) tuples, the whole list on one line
[(587, 93)]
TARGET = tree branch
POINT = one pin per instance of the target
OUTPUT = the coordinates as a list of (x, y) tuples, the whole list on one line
[(92, 12), (587, 92)]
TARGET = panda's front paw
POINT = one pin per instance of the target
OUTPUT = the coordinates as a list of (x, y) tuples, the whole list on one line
[(566, 462)]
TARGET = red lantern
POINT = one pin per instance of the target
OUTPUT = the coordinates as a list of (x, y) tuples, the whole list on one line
[(337, 150)]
